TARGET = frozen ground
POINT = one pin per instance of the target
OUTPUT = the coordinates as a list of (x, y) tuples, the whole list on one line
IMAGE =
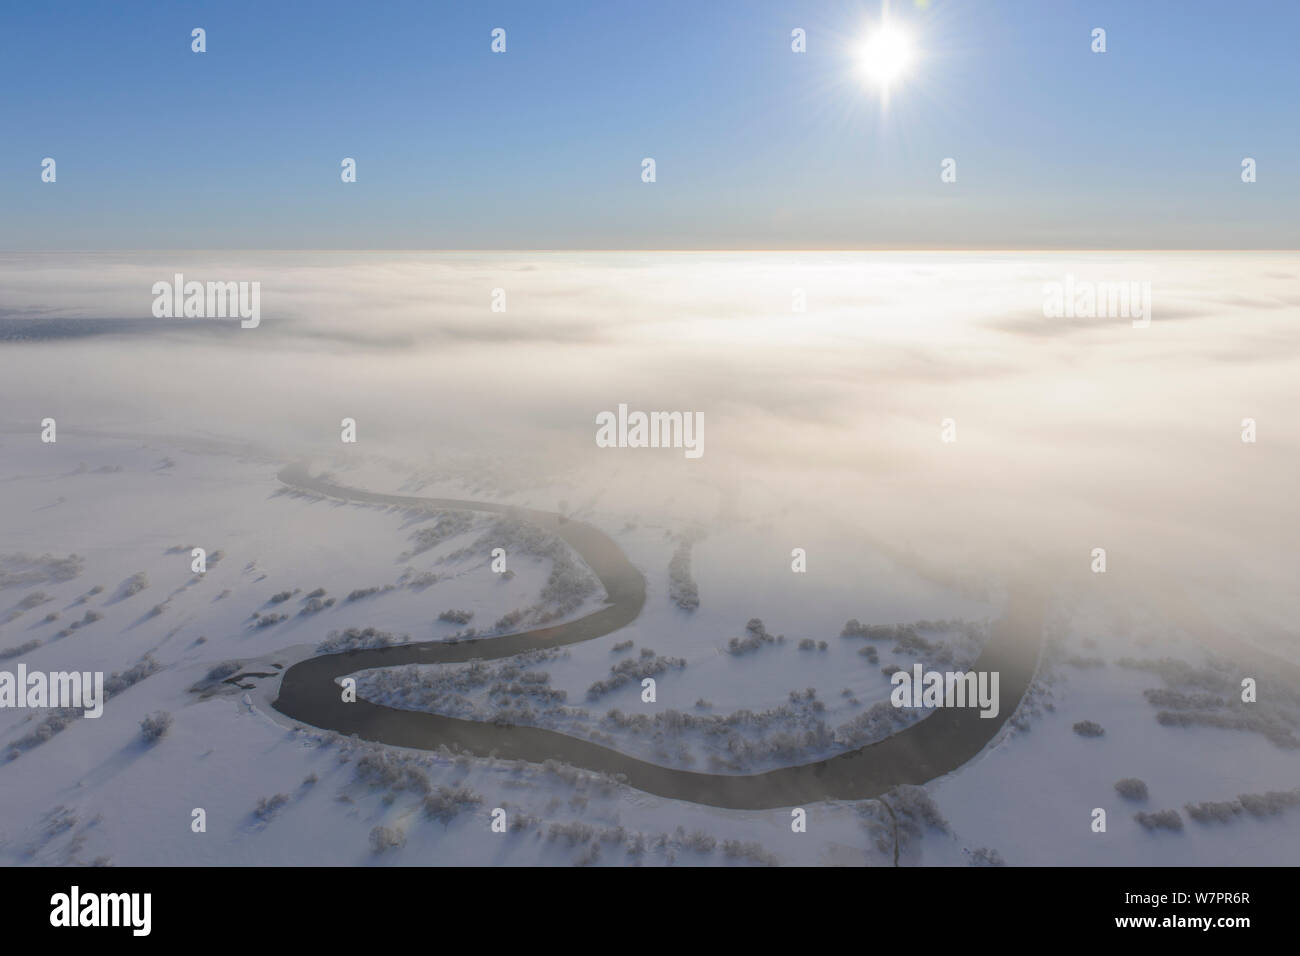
[(143, 504), (135, 503), (1072, 436)]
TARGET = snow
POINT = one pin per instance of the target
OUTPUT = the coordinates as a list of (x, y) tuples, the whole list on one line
[(822, 435)]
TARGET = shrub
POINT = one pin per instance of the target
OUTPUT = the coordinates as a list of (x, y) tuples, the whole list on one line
[(1272, 726), (133, 585), (21, 570), (391, 771), (573, 834), (876, 632), (700, 842), (748, 850), (681, 586), (383, 839), (1177, 700), (314, 605), (1160, 820), (1088, 728), (1271, 803), (155, 727), (444, 803), (355, 638), (90, 617), (509, 620), (19, 649), (756, 636), (268, 807), (1131, 788), (445, 525), (912, 804), (631, 669), (1212, 811), (117, 683)]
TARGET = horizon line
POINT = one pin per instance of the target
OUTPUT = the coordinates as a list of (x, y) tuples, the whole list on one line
[(556, 249)]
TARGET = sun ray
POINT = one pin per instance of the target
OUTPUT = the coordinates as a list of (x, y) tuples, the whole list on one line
[(887, 55)]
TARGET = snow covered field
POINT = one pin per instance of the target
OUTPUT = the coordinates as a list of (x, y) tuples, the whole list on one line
[(823, 434)]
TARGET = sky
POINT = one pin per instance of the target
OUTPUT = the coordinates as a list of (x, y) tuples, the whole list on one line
[(541, 147)]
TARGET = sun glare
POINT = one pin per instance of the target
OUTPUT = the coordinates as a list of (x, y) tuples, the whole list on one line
[(886, 55)]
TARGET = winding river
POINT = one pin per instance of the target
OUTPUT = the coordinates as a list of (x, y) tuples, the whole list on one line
[(935, 745)]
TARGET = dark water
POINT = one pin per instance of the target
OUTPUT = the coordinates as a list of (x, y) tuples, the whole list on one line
[(20, 329), (935, 745)]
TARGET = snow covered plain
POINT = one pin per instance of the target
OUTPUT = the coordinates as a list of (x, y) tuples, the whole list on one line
[(822, 435)]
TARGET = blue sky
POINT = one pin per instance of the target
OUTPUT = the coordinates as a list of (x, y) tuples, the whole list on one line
[(541, 147)]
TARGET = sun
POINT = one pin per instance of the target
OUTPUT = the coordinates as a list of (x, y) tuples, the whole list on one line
[(886, 55)]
